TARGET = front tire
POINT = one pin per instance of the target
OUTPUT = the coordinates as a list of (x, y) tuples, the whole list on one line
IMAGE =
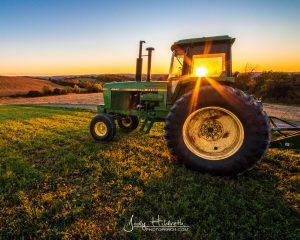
[(128, 123), (103, 128), (222, 132)]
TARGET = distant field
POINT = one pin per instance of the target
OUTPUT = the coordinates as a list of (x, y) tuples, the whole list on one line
[(21, 85), (57, 183)]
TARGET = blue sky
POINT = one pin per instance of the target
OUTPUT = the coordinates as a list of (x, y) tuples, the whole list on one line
[(72, 37)]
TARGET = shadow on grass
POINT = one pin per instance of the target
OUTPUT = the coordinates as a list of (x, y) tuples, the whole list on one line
[(252, 206)]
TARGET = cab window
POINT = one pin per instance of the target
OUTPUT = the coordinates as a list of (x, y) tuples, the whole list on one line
[(211, 65), (176, 64)]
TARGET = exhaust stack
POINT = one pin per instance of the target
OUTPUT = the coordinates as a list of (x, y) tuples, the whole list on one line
[(139, 64), (149, 49)]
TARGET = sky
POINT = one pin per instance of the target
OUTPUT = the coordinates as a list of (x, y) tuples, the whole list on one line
[(60, 37)]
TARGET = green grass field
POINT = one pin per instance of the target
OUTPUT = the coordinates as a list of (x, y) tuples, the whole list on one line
[(56, 182)]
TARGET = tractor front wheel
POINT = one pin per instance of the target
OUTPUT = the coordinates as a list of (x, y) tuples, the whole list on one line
[(221, 132), (128, 123), (103, 128)]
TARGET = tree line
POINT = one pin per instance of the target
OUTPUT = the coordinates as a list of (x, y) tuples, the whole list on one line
[(271, 86)]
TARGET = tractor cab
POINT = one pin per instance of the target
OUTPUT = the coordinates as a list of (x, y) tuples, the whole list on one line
[(206, 58), (202, 57)]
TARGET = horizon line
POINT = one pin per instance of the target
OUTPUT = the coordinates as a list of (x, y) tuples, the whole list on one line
[(89, 74)]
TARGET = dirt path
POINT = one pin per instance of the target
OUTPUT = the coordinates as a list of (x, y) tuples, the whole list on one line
[(282, 111), (91, 100), (72, 98)]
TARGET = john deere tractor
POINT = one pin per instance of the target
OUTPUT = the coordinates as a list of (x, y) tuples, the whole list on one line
[(209, 125)]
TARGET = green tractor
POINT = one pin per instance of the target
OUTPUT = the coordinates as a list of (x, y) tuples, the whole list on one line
[(209, 125)]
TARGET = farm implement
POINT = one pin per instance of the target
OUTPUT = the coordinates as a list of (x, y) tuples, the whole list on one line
[(288, 134), (209, 125)]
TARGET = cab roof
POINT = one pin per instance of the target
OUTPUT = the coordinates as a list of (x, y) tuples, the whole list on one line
[(223, 38)]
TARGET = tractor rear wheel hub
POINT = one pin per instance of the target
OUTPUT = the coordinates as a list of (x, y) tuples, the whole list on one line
[(213, 133)]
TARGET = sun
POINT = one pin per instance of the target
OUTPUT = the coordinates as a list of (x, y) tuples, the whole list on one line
[(201, 71)]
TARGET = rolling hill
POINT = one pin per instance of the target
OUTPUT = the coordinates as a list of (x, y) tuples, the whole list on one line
[(21, 85)]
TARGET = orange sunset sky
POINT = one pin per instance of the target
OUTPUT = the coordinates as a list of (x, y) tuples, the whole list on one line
[(94, 37)]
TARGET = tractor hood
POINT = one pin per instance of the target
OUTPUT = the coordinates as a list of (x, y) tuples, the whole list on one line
[(157, 86)]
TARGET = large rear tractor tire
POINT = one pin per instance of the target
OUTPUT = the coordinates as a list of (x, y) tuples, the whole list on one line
[(103, 128), (221, 132), (128, 123)]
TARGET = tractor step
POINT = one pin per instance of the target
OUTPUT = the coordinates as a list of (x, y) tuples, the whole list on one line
[(146, 126)]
